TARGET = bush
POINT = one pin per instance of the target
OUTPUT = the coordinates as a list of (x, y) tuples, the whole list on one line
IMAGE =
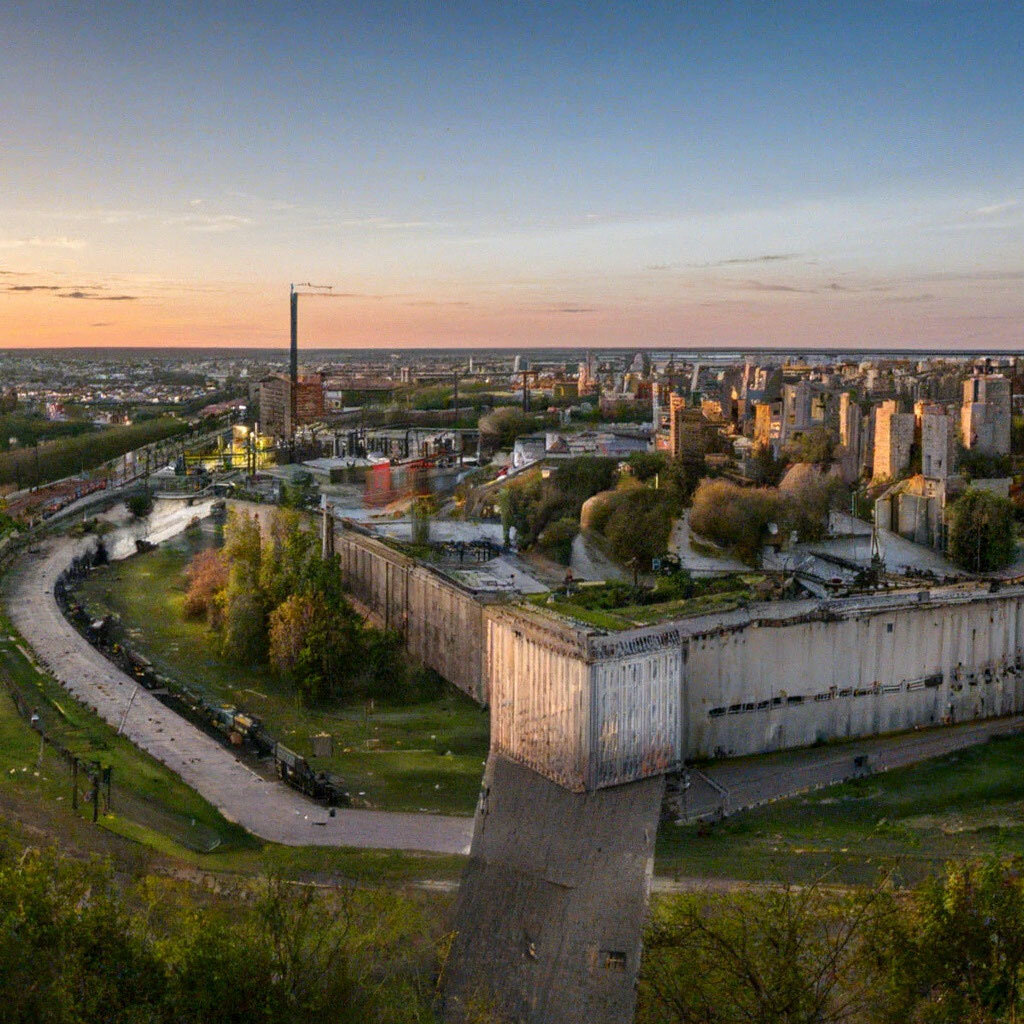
[(557, 538), (638, 527), (738, 518), (207, 576), (982, 534), (140, 505), (532, 503)]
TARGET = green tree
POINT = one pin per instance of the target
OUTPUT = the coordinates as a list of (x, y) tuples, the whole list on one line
[(645, 465), (982, 535), (638, 527), (953, 951), (782, 956), (557, 538), (816, 445), (140, 505), (500, 428)]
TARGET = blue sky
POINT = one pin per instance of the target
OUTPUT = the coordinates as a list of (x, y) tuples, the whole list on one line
[(514, 173)]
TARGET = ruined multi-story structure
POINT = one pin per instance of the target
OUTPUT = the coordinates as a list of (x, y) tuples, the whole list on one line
[(690, 432), (894, 439), (938, 441), (985, 414)]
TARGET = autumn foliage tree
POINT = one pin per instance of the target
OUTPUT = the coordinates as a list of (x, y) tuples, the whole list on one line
[(276, 600), (207, 576)]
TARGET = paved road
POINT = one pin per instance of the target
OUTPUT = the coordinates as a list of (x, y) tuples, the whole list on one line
[(751, 781), (695, 561), (590, 563), (268, 809)]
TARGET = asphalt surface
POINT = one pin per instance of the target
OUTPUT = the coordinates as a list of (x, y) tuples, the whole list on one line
[(268, 809), (752, 781)]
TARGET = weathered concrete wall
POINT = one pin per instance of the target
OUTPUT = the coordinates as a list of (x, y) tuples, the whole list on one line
[(541, 698), (590, 710), (552, 904), (859, 671), (442, 623)]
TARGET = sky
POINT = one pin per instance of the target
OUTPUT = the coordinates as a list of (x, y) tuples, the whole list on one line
[(514, 173)]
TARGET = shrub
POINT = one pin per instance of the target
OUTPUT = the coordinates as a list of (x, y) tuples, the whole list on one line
[(557, 538), (982, 535), (207, 576), (140, 505)]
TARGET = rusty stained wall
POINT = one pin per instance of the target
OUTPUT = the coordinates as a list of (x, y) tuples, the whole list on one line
[(635, 717), (758, 688), (541, 698)]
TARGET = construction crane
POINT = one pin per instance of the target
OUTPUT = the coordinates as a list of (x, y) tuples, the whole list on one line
[(315, 289)]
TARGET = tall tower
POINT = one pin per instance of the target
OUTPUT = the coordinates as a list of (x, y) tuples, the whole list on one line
[(293, 366)]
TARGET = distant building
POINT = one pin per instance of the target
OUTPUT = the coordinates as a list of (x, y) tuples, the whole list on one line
[(894, 439), (281, 412), (690, 432), (768, 425), (938, 441), (985, 414)]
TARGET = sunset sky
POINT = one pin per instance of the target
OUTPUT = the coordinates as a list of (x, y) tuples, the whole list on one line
[(683, 173)]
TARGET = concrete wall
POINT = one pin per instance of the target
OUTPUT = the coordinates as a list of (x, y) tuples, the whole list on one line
[(539, 682), (552, 904), (593, 710), (855, 672), (443, 624)]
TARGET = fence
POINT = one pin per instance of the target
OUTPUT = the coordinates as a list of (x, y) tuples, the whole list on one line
[(93, 788)]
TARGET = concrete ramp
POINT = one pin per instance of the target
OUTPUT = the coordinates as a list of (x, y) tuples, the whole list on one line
[(553, 901)]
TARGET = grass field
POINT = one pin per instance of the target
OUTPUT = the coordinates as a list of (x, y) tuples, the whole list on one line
[(425, 756), (910, 820), (149, 801)]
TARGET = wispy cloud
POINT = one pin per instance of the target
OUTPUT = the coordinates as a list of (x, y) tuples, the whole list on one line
[(743, 261), (97, 296), (40, 242), (773, 286), (989, 211), (213, 223), (33, 288)]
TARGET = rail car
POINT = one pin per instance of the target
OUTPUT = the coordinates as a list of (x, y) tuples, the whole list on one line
[(238, 727)]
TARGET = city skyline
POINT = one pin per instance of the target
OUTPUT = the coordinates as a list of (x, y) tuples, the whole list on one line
[(471, 175)]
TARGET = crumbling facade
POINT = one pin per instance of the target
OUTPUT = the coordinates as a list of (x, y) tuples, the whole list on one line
[(985, 414)]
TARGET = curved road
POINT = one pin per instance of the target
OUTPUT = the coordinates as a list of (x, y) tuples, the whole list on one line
[(268, 809)]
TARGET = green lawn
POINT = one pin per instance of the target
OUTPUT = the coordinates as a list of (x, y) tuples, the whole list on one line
[(912, 820), (150, 803), (630, 616), (424, 756)]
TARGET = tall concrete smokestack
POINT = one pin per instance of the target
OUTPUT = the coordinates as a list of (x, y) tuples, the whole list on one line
[(294, 365)]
